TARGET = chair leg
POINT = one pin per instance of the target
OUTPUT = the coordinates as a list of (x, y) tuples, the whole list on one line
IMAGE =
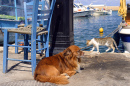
[(44, 39), (16, 40), (44, 43), (47, 46), (16, 43), (47, 52), (33, 53), (26, 44), (41, 38), (39, 44), (5, 51)]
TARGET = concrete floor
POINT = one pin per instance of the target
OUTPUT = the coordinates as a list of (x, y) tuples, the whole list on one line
[(105, 69)]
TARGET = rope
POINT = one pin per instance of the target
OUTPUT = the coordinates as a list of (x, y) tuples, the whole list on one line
[(111, 34)]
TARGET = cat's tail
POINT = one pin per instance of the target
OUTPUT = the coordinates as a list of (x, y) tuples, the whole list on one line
[(116, 46)]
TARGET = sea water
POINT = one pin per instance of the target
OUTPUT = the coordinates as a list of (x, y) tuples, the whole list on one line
[(86, 28)]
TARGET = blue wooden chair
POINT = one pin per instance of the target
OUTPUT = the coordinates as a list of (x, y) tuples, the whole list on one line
[(27, 12), (34, 31)]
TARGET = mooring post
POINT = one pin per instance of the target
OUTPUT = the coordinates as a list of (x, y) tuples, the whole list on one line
[(61, 31)]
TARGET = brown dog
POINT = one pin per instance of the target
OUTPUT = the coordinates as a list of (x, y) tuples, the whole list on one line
[(58, 68)]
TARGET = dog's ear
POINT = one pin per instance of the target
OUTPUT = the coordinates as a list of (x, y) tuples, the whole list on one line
[(67, 52)]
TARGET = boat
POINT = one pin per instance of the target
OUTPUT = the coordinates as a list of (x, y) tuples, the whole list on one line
[(102, 12), (125, 37), (80, 10), (7, 24), (125, 29), (11, 35)]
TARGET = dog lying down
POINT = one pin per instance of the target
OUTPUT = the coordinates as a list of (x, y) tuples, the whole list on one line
[(58, 68)]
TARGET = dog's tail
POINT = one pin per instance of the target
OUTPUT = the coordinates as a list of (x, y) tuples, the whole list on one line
[(53, 79)]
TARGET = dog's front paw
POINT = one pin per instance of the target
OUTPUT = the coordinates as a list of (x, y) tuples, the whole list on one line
[(66, 75)]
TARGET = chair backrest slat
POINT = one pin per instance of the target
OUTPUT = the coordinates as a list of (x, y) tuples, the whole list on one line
[(28, 10), (29, 17), (43, 17), (43, 11), (29, 13)]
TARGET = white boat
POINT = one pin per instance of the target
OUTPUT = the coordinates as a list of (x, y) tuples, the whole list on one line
[(80, 10), (125, 30), (102, 12), (125, 37)]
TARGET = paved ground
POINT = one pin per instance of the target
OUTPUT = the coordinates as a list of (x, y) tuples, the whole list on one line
[(104, 69)]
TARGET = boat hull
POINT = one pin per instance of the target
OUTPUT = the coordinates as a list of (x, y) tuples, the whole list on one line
[(82, 14), (6, 24), (11, 38), (103, 12), (125, 37), (126, 42)]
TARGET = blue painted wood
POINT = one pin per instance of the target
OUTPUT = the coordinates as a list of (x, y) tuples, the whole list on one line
[(48, 27), (18, 46), (33, 36), (42, 22), (26, 37), (41, 49), (43, 17), (43, 11), (15, 9), (5, 51), (39, 43), (16, 40), (25, 13), (12, 59)]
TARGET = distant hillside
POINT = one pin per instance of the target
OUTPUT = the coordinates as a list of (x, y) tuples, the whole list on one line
[(115, 8)]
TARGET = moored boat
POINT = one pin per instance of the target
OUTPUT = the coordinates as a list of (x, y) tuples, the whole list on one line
[(80, 10), (125, 29), (125, 37), (102, 12)]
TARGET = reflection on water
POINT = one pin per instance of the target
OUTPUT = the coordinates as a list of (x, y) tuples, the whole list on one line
[(86, 28)]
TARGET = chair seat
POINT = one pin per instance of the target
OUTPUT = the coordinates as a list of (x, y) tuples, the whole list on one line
[(27, 30)]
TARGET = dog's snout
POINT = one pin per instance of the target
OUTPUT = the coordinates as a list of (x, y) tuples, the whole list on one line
[(83, 53)]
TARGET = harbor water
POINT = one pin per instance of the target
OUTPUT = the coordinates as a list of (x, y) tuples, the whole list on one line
[(86, 28)]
